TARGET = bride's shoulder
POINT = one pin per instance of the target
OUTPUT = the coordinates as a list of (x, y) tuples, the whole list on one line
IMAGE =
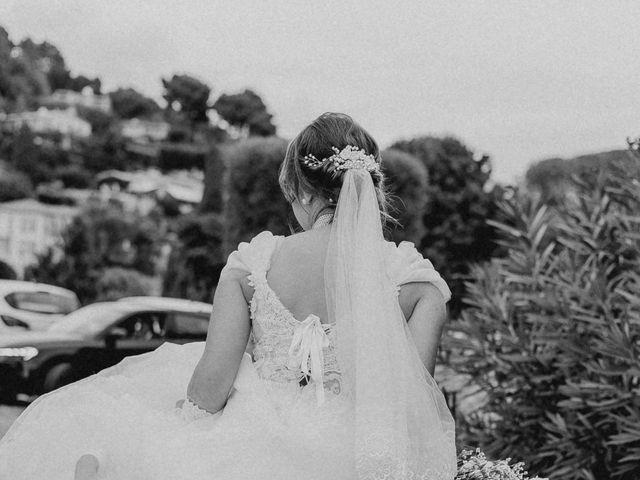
[(254, 255), (403, 253), (405, 264)]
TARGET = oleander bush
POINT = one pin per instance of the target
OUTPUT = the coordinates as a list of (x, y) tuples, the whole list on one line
[(551, 334)]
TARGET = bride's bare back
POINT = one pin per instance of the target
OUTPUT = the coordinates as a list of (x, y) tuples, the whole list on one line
[(297, 273), (297, 276)]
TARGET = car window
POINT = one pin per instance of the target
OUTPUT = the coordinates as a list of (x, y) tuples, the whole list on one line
[(42, 302), (186, 325), (89, 320), (143, 325)]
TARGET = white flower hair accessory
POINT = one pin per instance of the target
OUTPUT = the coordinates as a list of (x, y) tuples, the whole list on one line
[(349, 157)]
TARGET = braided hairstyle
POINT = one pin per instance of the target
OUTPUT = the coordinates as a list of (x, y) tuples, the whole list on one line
[(328, 130)]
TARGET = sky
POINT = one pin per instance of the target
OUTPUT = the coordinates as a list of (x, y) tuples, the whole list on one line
[(519, 80)]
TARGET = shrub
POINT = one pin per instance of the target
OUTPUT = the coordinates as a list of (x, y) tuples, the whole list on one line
[(73, 176), (196, 259), (407, 181), (114, 283), (551, 335), (255, 202), (7, 272), (14, 185), (100, 121), (552, 178), (181, 156), (214, 182)]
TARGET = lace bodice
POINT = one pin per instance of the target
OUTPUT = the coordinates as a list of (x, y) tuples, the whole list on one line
[(275, 330)]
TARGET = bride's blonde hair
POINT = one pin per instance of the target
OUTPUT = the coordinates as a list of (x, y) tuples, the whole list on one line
[(329, 130)]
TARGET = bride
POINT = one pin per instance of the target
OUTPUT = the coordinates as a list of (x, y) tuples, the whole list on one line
[(344, 328)]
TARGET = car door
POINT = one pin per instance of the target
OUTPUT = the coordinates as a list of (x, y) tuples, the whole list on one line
[(184, 327), (138, 333)]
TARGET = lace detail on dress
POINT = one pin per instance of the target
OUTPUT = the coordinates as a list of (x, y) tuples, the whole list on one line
[(273, 330), (190, 411)]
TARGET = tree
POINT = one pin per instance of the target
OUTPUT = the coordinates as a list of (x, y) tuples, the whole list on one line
[(460, 201), (79, 83), (549, 178), (117, 282), (47, 59), (14, 185), (7, 272), (129, 103), (5, 80), (37, 161), (187, 96), (406, 181), (99, 120), (182, 156), (246, 112), (25, 154), (553, 179), (255, 202), (73, 176), (196, 259), (98, 153), (21, 81), (97, 239), (242, 198), (30, 71), (214, 181)]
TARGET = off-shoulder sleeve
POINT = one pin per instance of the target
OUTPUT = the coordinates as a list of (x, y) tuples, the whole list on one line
[(254, 256), (405, 265)]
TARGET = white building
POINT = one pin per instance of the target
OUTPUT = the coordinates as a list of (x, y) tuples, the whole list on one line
[(42, 121), (144, 130), (87, 99), (28, 227)]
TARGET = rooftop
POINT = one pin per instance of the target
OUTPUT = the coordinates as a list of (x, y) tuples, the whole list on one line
[(32, 205)]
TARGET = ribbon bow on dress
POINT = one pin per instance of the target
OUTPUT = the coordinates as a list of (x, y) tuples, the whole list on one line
[(306, 351)]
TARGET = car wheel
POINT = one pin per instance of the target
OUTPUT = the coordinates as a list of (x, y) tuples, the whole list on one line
[(58, 376)]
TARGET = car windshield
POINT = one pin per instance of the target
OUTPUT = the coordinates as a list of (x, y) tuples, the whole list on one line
[(89, 320), (42, 302)]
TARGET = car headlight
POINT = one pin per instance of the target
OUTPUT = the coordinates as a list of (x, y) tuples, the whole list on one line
[(25, 353)]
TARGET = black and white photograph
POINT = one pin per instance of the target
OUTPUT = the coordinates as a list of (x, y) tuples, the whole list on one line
[(319, 240)]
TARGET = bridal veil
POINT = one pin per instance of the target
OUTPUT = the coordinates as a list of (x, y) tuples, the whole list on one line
[(403, 427)]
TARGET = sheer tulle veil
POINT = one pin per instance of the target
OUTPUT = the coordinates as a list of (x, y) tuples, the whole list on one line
[(403, 428)]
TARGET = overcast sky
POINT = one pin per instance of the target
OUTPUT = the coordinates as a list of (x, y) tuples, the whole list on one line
[(518, 79)]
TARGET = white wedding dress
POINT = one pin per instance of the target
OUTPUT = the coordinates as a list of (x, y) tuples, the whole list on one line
[(274, 425)]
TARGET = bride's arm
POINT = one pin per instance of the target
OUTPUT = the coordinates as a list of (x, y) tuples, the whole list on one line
[(425, 308), (227, 339)]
